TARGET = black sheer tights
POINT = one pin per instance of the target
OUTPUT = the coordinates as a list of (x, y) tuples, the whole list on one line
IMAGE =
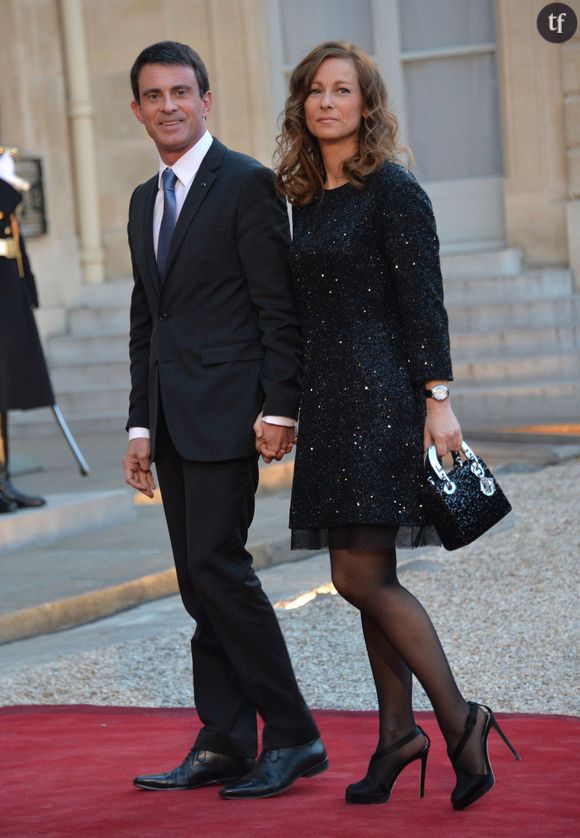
[(400, 640)]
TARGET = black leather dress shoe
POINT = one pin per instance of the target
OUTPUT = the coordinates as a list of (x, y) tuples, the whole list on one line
[(199, 768), (276, 771), (10, 494)]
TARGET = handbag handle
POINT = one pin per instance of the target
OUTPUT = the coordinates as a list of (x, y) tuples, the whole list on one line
[(435, 462)]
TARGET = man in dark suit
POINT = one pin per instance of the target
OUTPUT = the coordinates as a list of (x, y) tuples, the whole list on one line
[(215, 378)]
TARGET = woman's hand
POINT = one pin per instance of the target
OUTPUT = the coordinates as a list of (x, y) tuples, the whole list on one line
[(441, 428)]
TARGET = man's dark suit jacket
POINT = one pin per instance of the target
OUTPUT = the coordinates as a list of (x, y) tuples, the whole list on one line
[(218, 340)]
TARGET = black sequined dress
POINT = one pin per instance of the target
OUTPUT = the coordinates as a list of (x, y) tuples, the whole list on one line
[(366, 268)]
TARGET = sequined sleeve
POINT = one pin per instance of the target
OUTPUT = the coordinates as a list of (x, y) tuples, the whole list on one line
[(412, 250)]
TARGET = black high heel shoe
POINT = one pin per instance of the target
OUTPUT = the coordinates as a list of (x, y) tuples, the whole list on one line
[(376, 787), (470, 787)]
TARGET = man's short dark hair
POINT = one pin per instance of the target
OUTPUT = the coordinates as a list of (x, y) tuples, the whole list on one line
[(170, 52)]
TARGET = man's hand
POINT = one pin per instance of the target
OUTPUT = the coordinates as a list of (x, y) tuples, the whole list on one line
[(273, 441), (137, 466)]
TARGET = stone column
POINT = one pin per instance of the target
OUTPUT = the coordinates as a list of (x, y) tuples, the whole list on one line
[(571, 92), (81, 115), (240, 72), (536, 181)]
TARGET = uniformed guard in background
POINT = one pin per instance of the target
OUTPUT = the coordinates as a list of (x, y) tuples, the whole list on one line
[(24, 379)]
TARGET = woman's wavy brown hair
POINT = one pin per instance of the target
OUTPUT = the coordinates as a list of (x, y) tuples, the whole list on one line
[(300, 172)]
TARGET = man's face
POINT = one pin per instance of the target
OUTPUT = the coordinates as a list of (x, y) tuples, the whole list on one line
[(171, 108)]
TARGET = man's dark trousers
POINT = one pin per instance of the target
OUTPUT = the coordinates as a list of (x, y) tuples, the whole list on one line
[(240, 661)]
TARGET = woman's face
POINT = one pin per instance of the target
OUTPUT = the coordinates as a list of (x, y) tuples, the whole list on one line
[(334, 105)]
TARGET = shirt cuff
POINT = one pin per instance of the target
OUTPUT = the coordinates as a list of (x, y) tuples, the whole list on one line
[(139, 433), (280, 420)]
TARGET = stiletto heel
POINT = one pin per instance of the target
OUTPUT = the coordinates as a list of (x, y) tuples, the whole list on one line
[(495, 724), (470, 787), (424, 755), (378, 784)]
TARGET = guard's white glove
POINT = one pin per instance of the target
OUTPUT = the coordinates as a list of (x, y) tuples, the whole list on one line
[(8, 172)]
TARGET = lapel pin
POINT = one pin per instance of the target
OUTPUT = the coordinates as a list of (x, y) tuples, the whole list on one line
[(203, 183)]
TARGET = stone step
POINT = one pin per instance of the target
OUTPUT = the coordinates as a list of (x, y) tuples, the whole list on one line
[(75, 378), (68, 349), (523, 373), (514, 342), (89, 375), (99, 321), (499, 370), (483, 305), (506, 261), (51, 321), (65, 514), (494, 405), (482, 405), (501, 262), (82, 402), (486, 265), (98, 399), (114, 293), (497, 317), (41, 422), (538, 285)]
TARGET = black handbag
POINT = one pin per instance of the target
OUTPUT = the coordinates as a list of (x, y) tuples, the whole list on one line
[(464, 503)]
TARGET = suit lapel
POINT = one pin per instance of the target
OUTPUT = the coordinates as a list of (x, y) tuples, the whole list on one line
[(198, 191), (147, 226)]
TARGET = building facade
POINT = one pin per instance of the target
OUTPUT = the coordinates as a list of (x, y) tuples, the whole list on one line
[(490, 109)]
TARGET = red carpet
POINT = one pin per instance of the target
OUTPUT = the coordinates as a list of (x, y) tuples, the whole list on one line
[(66, 771)]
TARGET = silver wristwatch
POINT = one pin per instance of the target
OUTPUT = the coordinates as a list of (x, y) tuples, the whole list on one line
[(440, 392)]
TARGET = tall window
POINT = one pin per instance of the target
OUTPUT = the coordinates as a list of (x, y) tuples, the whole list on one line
[(448, 52), (306, 23)]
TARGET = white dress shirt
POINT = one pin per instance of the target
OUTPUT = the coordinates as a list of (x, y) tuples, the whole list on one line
[(186, 169)]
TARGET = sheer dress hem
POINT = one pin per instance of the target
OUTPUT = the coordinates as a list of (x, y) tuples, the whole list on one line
[(371, 536)]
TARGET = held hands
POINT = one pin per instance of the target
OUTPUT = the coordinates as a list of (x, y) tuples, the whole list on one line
[(137, 466), (441, 428), (273, 441)]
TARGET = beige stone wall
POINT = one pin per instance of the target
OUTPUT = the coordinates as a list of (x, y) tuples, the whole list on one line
[(536, 177), (33, 117), (229, 35), (571, 90)]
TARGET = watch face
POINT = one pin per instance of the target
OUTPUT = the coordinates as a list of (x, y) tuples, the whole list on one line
[(440, 392)]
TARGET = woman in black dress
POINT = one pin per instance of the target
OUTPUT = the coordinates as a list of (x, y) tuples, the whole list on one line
[(365, 262)]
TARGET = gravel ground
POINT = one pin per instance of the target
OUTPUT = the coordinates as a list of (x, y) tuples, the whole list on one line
[(505, 608)]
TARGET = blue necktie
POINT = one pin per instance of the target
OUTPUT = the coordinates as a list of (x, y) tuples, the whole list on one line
[(168, 221)]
